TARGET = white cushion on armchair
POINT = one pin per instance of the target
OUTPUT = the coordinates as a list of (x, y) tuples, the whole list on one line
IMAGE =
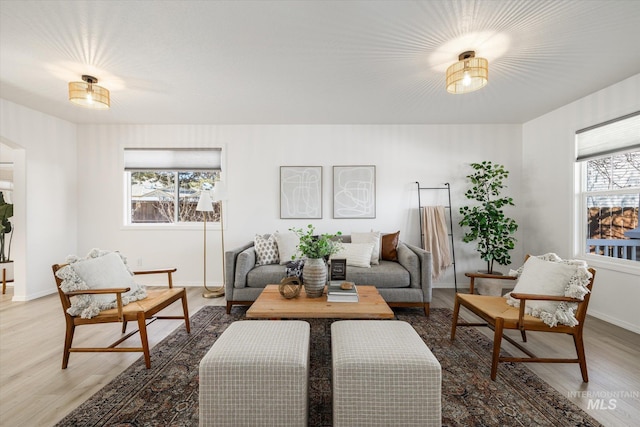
[(551, 275), (99, 270)]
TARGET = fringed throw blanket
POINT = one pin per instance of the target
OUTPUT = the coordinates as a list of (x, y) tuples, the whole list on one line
[(435, 238)]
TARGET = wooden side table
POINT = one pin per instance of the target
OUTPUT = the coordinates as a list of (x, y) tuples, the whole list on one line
[(5, 280), (474, 276)]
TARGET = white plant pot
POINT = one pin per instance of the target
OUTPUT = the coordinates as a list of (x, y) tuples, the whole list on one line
[(492, 287)]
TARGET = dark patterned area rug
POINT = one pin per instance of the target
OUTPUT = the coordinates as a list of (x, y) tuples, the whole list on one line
[(167, 394)]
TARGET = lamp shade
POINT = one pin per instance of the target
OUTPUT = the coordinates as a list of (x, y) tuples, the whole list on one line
[(205, 204), (88, 94), (468, 74), (220, 191)]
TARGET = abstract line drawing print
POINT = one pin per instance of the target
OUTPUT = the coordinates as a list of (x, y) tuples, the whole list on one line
[(300, 192), (354, 191)]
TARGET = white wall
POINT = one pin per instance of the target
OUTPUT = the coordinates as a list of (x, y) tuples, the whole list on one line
[(44, 197), (253, 153), (69, 187), (548, 184)]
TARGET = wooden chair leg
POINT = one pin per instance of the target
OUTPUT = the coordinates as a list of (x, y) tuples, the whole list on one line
[(185, 310), (426, 309), (454, 322), (142, 327), (229, 305), (524, 335), (68, 340), (582, 360), (124, 326), (497, 341)]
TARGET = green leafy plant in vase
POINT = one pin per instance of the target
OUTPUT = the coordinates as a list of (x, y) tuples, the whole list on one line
[(315, 248), (486, 221), (6, 212)]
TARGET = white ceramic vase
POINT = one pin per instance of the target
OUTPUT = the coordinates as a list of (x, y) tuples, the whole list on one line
[(314, 277)]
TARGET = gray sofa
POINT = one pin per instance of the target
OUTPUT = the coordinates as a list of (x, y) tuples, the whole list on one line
[(406, 283)]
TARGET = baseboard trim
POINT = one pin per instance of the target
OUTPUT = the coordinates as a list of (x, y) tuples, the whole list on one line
[(446, 286), (609, 319)]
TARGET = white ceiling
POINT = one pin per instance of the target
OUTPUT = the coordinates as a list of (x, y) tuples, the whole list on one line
[(313, 62)]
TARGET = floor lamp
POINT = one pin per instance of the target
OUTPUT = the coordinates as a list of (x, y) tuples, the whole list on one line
[(205, 205), (220, 196)]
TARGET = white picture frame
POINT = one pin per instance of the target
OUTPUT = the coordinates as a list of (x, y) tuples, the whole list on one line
[(354, 191), (300, 192)]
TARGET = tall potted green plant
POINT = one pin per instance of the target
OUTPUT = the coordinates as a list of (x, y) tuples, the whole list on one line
[(6, 212), (487, 224)]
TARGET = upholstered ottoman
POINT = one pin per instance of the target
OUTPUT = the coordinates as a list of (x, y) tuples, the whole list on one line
[(383, 375), (256, 374)]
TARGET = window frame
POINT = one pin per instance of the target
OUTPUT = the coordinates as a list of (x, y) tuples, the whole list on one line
[(126, 223), (618, 264), (580, 207)]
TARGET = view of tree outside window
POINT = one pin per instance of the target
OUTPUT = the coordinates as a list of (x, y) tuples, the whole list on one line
[(163, 197), (612, 195)]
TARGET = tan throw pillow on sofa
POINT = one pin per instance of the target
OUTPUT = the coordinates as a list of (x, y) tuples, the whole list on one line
[(389, 246)]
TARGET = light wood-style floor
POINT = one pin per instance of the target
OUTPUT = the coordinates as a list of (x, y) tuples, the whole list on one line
[(34, 391)]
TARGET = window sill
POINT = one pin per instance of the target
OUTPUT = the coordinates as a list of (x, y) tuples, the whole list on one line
[(171, 227), (612, 264)]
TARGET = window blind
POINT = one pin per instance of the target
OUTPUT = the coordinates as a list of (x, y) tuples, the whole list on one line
[(175, 159), (614, 136)]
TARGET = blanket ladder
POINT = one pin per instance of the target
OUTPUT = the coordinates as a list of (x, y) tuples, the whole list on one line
[(446, 187)]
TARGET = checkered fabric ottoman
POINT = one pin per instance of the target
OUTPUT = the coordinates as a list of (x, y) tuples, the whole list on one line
[(383, 375), (256, 374)]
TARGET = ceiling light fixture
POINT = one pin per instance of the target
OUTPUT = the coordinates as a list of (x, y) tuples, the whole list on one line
[(468, 74), (88, 94)]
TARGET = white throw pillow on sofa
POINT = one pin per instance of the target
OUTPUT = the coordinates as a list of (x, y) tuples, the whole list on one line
[(287, 246), (550, 275), (369, 237), (356, 254)]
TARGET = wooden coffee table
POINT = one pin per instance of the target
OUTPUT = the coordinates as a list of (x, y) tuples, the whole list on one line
[(271, 305)]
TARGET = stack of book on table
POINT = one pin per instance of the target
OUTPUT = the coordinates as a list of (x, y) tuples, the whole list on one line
[(336, 293)]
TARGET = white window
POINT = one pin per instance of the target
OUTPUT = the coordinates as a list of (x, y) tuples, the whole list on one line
[(163, 186), (608, 161)]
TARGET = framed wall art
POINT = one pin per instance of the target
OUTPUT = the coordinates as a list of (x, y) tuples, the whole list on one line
[(300, 192), (354, 191)]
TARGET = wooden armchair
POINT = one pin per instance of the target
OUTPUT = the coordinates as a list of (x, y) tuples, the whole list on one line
[(140, 311), (499, 316)]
